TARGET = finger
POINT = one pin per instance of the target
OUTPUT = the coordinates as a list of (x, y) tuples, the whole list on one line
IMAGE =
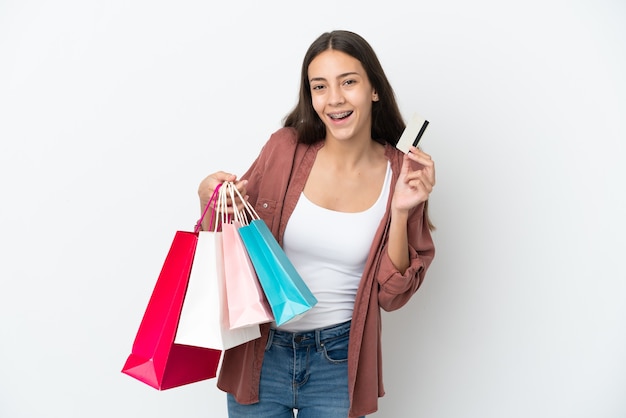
[(210, 183), (427, 177), (418, 151), (428, 168), (240, 191), (241, 186), (428, 174), (420, 179), (416, 154), (222, 176)]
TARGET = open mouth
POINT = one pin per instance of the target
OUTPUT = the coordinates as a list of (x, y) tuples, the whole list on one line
[(339, 116)]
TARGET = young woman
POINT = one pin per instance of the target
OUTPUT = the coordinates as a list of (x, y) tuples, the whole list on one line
[(350, 211)]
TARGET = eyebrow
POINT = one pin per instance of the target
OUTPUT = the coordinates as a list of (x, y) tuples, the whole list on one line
[(338, 77)]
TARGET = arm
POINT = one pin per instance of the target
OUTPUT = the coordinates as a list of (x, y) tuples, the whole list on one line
[(412, 189), (409, 248), (397, 287)]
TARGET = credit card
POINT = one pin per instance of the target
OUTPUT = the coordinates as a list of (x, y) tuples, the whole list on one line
[(412, 133)]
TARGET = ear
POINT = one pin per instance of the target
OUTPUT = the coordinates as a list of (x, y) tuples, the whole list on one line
[(375, 96)]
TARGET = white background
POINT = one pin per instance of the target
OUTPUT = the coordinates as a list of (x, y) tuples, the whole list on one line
[(111, 113)]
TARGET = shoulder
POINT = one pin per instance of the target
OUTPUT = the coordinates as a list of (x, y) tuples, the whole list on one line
[(283, 137), (278, 149)]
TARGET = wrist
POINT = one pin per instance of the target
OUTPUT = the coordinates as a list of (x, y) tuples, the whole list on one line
[(399, 214)]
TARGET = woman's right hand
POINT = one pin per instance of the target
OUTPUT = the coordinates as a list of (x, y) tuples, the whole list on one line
[(210, 183)]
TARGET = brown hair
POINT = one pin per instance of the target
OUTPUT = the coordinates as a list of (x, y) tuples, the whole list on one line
[(387, 121)]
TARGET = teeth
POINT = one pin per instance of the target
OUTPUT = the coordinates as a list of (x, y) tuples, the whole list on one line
[(340, 115)]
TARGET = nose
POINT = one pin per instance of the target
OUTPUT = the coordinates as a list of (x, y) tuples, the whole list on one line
[(336, 97)]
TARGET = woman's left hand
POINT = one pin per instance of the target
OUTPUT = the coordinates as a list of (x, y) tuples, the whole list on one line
[(414, 186)]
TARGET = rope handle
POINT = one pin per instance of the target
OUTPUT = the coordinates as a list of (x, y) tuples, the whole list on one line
[(222, 207), (240, 216), (206, 208), (219, 198), (247, 206)]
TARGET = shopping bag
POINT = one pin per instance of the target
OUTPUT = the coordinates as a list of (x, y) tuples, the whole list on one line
[(204, 318), (155, 358), (288, 295), (247, 304)]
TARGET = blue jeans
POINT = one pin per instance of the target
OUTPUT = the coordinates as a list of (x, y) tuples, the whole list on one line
[(305, 372)]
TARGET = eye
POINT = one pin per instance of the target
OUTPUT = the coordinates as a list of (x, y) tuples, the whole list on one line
[(317, 87), (349, 82)]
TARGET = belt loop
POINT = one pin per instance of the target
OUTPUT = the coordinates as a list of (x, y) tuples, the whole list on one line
[(318, 339), (270, 339)]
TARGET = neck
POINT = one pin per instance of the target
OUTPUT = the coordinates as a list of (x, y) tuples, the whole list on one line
[(348, 155)]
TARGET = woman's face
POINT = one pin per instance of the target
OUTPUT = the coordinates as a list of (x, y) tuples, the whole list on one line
[(342, 95)]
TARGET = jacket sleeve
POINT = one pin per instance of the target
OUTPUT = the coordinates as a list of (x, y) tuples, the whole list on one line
[(254, 175), (395, 288)]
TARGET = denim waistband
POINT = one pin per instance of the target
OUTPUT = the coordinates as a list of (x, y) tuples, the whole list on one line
[(306, 338)]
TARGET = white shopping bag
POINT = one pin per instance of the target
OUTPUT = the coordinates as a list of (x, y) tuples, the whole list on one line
[(204, 316)]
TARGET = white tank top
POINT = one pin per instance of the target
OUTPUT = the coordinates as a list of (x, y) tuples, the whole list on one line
[(329, 250)]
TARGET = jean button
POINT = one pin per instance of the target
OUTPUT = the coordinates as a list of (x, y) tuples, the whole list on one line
[(298, 339)]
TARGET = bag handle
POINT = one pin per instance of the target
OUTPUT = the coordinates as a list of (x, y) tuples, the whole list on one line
[(219, 197), (247, 206), (206, 208), (222, 207), (238, 215)]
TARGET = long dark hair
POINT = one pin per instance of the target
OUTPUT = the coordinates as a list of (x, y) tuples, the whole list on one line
[(387, 122)]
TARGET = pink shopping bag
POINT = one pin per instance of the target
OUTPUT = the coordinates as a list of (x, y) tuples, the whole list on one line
[(247, 304), (246, 300)]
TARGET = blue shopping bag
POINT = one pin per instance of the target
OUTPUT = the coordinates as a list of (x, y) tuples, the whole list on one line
[(287, 294)]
